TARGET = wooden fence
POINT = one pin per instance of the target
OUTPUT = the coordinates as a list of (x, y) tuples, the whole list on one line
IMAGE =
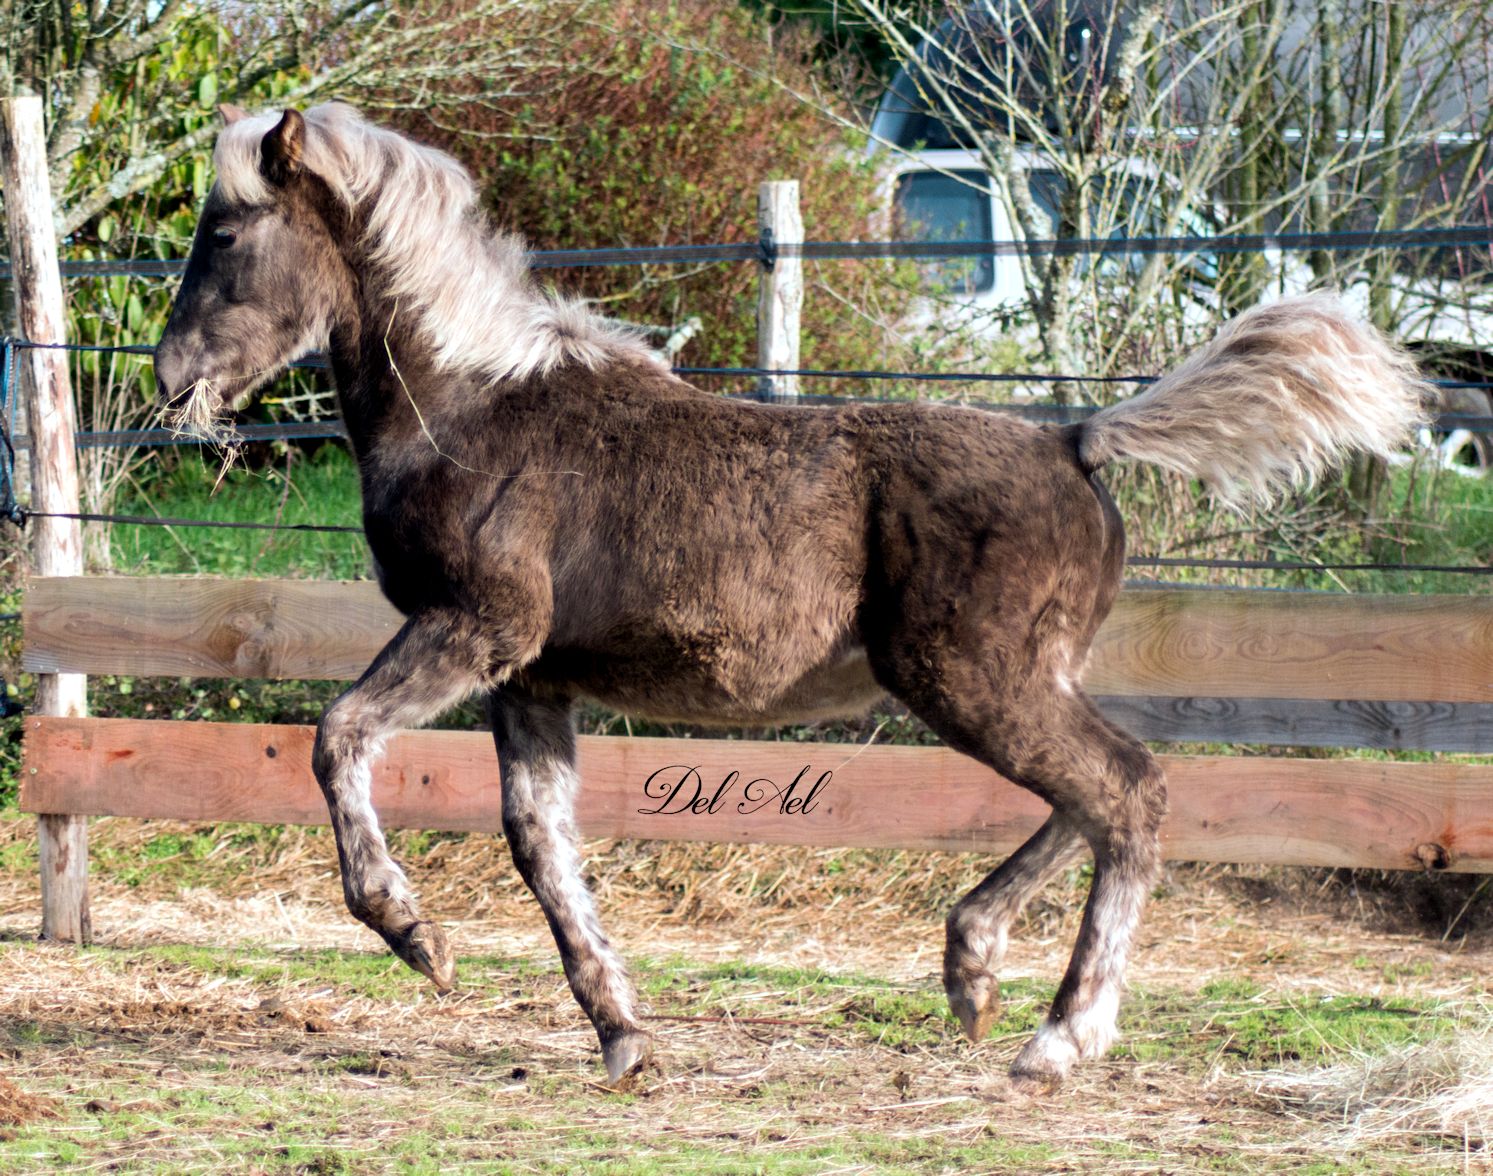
[(1397, 673), (1199, 665)]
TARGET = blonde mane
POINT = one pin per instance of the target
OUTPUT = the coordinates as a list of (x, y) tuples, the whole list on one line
[(439, 258)]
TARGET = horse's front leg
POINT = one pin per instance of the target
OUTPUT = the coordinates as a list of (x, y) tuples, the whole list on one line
[(536, 750), (434, 661)]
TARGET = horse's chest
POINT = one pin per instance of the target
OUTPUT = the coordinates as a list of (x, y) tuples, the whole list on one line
[(420, 542), (421, 506)]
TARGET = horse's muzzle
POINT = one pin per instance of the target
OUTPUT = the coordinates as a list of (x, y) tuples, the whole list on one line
[(172, 383)]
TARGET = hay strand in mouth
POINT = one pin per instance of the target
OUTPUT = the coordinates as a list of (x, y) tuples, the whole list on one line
[(195, 415)]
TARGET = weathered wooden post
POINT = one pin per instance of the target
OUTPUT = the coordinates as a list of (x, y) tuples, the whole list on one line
[(780, 294), (57, 543)]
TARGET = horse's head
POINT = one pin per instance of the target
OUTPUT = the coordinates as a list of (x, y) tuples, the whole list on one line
[(265, 277)]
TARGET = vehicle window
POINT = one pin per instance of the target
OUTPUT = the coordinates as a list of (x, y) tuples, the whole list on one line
[(954, 206)]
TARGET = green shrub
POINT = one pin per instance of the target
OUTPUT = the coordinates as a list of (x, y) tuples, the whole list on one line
[(665, 140)]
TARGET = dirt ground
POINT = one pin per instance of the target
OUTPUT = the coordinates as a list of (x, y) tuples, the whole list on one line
[(252, 1026)]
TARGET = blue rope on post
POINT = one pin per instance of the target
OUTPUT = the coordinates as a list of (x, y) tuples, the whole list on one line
[(9, 507)]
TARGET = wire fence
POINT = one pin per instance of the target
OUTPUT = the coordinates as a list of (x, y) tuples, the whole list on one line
[(766, 252), (1044, 413), (1039, 412)]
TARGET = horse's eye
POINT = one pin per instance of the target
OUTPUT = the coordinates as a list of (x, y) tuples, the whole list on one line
[(223, 236)]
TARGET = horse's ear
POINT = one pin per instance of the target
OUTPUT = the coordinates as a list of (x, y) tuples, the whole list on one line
[(280, 153), (231, 113)]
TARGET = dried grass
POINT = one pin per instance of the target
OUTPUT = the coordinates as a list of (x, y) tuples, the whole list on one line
[(764, 1067), (1441, 1089), (200, 414), (18, 1108), (512, 1049), (875, 910)]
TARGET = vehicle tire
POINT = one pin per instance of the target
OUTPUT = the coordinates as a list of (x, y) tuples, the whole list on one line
[(1465, 449)]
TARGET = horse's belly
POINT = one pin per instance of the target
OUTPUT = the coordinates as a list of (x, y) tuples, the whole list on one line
[(840, 687)]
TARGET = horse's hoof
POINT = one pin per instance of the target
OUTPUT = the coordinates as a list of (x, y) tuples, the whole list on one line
[(626, 1056), (1044, 1061), (425, 948), (1031, 1085), (978, 1007)]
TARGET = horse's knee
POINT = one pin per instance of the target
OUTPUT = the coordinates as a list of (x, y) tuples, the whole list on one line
[(341, 735)]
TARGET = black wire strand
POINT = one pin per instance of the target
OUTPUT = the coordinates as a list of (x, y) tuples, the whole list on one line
[(1449, 237), (1133, 561), (168, 521), (317, 361)]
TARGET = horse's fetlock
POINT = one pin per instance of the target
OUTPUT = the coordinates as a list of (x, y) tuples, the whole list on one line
[(381, 898), (973, 944), (1093, 1025)]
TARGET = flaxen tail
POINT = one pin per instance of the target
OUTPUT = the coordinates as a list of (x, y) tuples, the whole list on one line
[(1279, 397)]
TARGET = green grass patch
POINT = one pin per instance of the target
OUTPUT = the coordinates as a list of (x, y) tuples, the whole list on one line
[(1233, 1021), (376, 975), (320, 489)]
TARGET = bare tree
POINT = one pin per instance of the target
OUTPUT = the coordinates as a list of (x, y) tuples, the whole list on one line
[(1387, 118), (1152, 118)]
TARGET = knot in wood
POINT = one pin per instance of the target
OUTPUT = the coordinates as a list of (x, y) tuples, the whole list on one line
[(253, 641), (253, 659), (1433, 856)]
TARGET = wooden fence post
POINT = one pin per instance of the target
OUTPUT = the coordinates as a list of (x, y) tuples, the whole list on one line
[(780, 294), (57, 543)]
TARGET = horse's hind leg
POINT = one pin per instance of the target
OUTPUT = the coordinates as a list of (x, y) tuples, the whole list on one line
[(976, 929), (433, 662), (1048, 737), (1116, 791), (536, 750)]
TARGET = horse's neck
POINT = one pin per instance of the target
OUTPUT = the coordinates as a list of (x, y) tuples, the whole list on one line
[(378, 374)]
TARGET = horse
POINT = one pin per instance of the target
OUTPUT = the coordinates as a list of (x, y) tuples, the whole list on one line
[(558, 516)]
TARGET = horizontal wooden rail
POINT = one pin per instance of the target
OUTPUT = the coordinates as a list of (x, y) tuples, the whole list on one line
[(1224, 809), (1465, 727), (1158, 642)]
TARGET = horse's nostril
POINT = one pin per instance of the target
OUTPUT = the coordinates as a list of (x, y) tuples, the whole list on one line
[(169, 377)]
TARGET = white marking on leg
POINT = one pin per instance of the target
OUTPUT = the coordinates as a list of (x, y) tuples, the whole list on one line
[(1050, 1054), (554, 786), (1089, 1030), (1117, 912), (384, 873), (1094, 1029), (376, 884)]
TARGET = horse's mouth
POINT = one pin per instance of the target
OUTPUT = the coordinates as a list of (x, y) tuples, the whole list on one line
[(172, 403), (197, 411)]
